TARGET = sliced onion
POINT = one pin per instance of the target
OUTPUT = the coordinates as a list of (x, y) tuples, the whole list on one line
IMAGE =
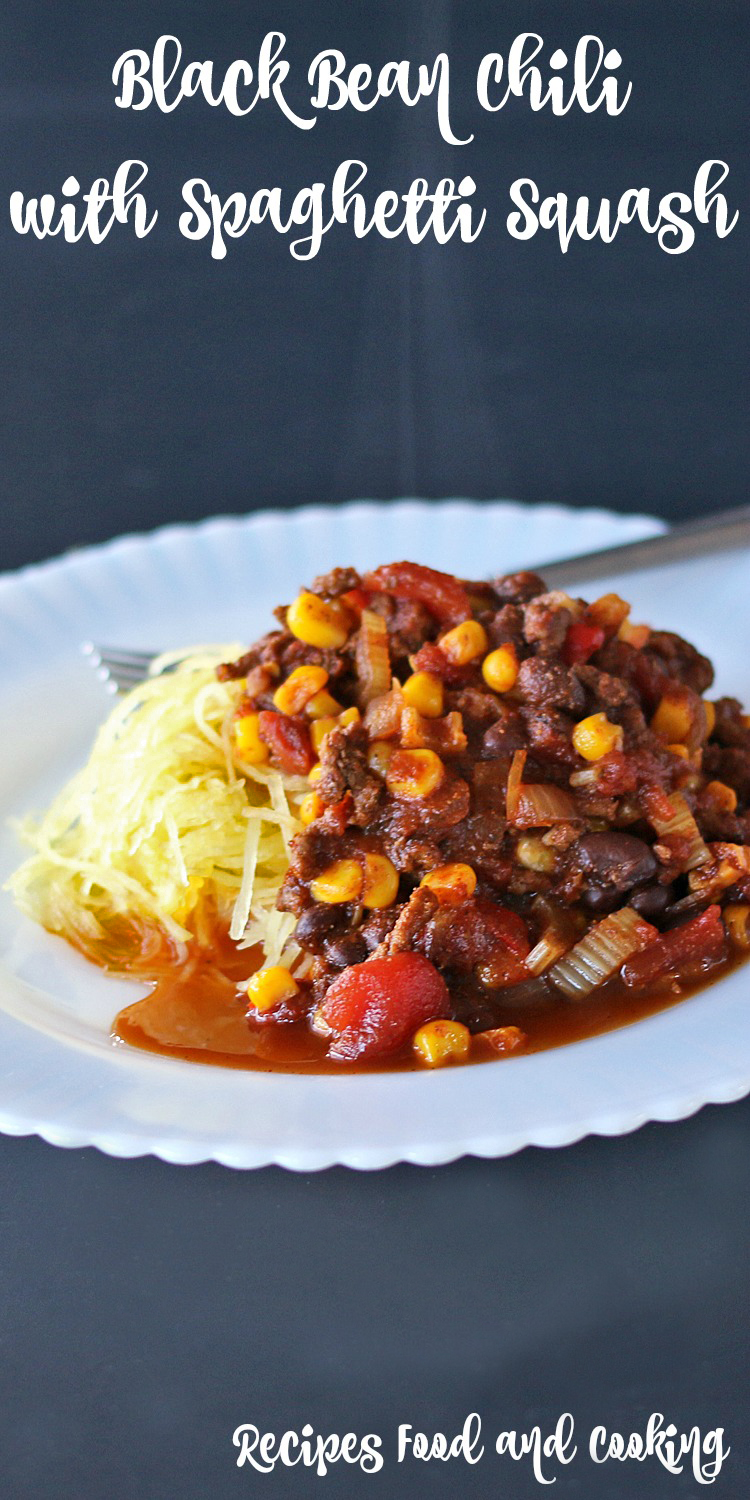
[(372, 658), (680, 825), (541, 804), (601, 953), (515, 776), (446, 736), (589, 777), (383, 716)]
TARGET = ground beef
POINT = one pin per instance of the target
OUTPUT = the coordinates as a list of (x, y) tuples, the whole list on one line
[(546, 620), (411, 625), (506, 626), (550, 733), (338, 581), (516, 588), (730, 765), (603, 689), (550, 684), (412, 921), (730, 727), (431, 816), (680, 660), (411, 854), (344, 760), (478, 841), (476, 707)]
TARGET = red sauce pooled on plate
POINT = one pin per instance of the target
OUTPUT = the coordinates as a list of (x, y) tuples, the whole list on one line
[(195, 1012)]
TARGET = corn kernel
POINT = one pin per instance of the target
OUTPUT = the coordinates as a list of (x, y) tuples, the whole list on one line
[(194, 887), (452, 884), (318, 731), (673, 719), (318, 622), (441, 1042), (609, 612), (248, 742), (414, 773), (270, 987), (500, 668), (424, 691), (634, 635), (342, 881), (322, 706), (320, 728), (737, 919), (301, 685), (596, 736), (723, 797), (310, 808), (681, 750), (379, 755), (533, 854), (710, 712), (380, 883), (315, 774), (464, 642)]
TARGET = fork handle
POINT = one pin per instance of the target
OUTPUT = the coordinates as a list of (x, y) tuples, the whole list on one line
[(707, 534)]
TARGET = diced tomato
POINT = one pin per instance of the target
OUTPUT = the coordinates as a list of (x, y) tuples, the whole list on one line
[(356, 600), (581, 641), (503, 941), (336, 816), (288, 739), (375, 1007), (657, 804), (501, 1039), (441, 593), (683, 953), (504, 929), (429, 658), (616, 774), (480, 935)]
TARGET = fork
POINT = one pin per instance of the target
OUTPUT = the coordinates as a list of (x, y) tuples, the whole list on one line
[(118, 670), (122, 670)]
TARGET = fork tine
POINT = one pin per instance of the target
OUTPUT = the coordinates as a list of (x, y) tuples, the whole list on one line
[(118, 657), (119, 670)]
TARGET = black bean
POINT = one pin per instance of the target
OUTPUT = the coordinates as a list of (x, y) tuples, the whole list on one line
[(350, 948), (616, 857), (601, 899), (318, 923), (616, 860), (506, 735), (653, 901), (378, 924)]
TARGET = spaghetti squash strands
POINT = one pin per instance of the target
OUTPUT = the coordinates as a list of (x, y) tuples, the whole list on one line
[(160, 818)]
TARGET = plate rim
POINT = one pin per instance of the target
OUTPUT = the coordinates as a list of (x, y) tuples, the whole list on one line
[(675, 1103), (317, 510)]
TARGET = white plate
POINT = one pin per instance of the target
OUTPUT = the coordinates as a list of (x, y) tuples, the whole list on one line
[(59, 1074)]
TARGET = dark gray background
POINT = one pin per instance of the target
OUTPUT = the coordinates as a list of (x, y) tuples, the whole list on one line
[(147, 1310)]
